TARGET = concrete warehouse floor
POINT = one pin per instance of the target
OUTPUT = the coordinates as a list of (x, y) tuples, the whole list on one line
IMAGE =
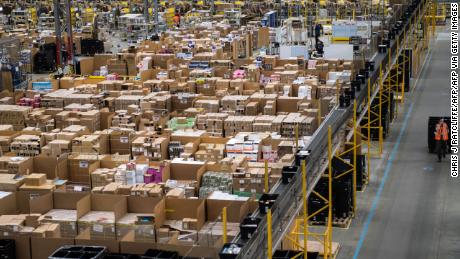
[(410, 209)]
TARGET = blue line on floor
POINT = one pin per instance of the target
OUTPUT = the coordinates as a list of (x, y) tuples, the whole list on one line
[(382, 184)]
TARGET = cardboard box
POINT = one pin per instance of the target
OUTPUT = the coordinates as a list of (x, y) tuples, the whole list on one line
[(7, 203), (81, 166), (102, 211), (187, 170), (35, 179), (237, 210), (62, 208), (178, 209), (53, 167), (144, 216), (9, 182)]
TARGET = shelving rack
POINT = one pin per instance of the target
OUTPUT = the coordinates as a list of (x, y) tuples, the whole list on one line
[(136, 27), (45, 23)]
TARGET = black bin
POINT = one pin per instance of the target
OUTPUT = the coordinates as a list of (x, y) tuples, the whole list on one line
[(361, 79), (7, 249), (364, 72), (266, 202), (230, 251), (86, 252), (356, 84), (160, 254), (248, 227), (121, 256), (370, 65), (288, 173)]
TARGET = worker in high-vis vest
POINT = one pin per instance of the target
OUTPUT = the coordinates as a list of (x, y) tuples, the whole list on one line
[(441, 136)]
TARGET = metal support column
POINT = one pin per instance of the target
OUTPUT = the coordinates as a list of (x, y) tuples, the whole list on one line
[(57, 27), (155, 14), (146, 11), (69, 31)]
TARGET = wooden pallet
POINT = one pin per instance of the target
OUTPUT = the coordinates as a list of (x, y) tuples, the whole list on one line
[(316, 246), (336, 222), (363, 188)]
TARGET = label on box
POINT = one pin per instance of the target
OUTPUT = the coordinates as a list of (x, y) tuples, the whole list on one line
[(78, 188), (124, 140), (98, 228), (241, 181), (84, 164)]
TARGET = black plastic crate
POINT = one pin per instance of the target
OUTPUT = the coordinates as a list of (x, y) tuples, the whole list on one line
[(230, 251), (160, 254), (266, 202), (80, 252), (121, 256), (288, 173), (248, 227), (7, 249), (370, 65)]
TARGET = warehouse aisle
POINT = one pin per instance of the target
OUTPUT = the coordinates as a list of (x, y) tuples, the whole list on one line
[(415, 214)]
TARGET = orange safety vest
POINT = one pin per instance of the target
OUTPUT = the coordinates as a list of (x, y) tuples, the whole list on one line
[(442, 132), (176, 19)]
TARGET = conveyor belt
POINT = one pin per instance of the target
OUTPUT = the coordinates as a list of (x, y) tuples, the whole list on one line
[(288, 204)]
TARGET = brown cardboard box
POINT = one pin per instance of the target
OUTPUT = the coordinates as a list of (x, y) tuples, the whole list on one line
[(177, 193), (236, 210), (60, 207), (47, 230), (35, 179), (263, 37), (120, 141), (7, 203), (87, 66), (142, 206), (9, 183), (81, 166), (179, 209), (24, 197), (187, 170), (53, 167), (102, 211), (16, 165), (66, 83)]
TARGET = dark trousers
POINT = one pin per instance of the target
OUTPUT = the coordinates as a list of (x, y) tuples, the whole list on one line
[(441, 148)]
